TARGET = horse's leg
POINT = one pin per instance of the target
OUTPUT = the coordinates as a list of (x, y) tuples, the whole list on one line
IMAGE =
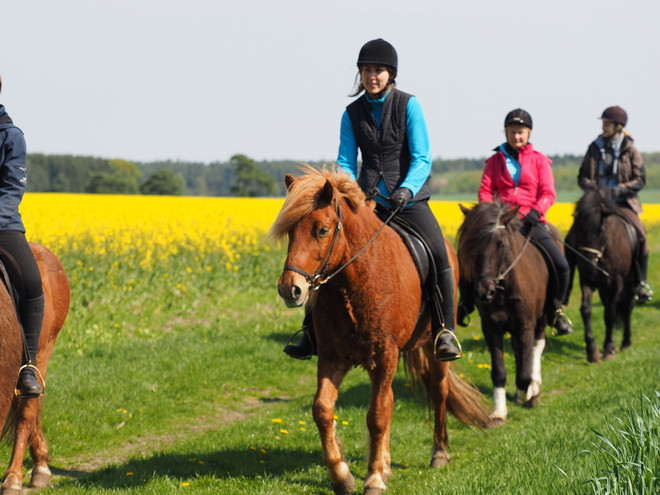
[(523, 351), (41, 474), (328, 382), (438, 390), (379, 419), (593, 354), (609, 310), (495, 342), (24, 420), (534, 390), (625, 317)]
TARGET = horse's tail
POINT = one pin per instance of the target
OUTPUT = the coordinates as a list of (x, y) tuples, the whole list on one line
[(465, 402)]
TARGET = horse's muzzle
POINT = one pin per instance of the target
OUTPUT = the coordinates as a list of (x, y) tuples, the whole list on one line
[(485, 290), (293, 289)]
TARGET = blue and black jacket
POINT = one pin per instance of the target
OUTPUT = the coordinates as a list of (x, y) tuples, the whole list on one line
[(13, 173)]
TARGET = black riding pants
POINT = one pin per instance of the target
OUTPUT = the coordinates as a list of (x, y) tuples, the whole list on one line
[(544, 238), (21, 267), (422, 219)]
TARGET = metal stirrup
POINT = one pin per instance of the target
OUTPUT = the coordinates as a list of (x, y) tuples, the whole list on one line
[(458, 344)]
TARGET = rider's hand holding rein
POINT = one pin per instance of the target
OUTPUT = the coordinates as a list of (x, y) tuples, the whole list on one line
[(400, 198)]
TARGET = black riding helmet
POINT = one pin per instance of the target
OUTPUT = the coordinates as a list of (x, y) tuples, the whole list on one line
[(518, 116), (379, 52)]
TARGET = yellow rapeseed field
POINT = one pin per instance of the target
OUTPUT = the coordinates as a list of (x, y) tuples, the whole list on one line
[(156, 227)]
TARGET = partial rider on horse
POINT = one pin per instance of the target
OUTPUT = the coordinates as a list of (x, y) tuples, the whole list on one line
[(518, 175), (614, 164), (15, 254)]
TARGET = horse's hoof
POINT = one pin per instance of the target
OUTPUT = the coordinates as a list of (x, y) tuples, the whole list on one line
[(494, 422), (534, 401), (373, 491), (608, 355), (346, 487), (594, 357), (40, 480), (10, 491), (439, 461), (624, 347)]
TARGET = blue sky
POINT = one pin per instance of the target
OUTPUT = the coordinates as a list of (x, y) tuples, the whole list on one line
[(202, 80)]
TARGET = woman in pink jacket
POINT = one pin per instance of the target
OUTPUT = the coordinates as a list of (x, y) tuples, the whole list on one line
[(520, 176)]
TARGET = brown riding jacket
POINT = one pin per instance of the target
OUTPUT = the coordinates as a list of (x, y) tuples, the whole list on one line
[(631, 174)]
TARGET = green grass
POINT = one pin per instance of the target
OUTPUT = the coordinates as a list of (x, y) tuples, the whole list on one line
[(168, 384)]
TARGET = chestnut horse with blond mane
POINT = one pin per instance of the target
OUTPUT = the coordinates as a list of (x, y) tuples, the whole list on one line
[(22, 417), (366, 312)]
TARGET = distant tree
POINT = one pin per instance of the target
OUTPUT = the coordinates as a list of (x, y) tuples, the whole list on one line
[(249, 179), (164, 183), (200, 187), (102, 183)]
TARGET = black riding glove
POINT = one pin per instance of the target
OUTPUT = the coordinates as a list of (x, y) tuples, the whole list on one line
[(531, 221), (400, 197)]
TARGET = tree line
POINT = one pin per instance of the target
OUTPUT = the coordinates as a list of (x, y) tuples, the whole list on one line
[(243, 176)]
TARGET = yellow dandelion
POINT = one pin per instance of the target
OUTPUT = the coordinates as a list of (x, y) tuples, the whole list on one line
[(277, 420), (284, 431)]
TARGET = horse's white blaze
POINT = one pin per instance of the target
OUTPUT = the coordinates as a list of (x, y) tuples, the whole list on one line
[(340, 474), (499, 401)]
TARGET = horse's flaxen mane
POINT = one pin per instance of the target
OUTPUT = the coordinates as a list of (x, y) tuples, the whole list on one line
[(304, 194), (477, 231)]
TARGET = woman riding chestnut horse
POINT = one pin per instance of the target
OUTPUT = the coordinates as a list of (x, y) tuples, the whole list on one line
[(387, 126)]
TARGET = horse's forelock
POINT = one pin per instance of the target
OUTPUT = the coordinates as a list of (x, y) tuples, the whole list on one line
[(303, 196), (477, 231)]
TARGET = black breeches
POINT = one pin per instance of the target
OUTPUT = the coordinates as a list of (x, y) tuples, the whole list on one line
[(422, 219), (544, 238), (21, 267)]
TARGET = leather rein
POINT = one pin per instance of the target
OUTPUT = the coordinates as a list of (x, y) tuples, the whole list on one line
[(319, 278)]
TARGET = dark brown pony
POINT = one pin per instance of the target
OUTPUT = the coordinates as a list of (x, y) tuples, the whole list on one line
[(365, 314), (601, 234), (508, 278), (25, 414)]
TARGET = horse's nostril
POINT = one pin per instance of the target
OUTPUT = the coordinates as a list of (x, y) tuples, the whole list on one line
[(296, 291)]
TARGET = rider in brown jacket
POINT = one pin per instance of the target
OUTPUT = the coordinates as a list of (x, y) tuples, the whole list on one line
[(613, 162)]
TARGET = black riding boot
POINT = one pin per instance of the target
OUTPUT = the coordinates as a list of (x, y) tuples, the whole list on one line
[(306, 348), (444, 339), (644, 292), (465, 304), (31, 313), (561, 322)]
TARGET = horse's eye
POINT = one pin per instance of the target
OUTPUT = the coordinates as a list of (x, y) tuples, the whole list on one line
[(323, 231)]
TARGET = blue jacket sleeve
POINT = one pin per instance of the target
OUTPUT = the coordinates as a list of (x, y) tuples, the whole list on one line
[(13, 175), (420, 147), (348, 149)]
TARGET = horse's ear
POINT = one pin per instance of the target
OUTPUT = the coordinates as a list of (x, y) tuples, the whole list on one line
[(289, 180), (328, 192), (509, 215), (464, 209)]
